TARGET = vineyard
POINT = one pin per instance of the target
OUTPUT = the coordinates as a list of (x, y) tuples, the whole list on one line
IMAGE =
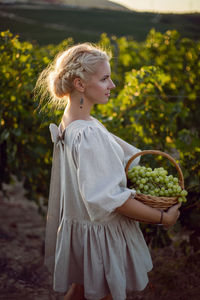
[(156, 105)]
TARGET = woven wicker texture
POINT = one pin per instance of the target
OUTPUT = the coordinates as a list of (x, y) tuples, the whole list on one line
[(153, 201)]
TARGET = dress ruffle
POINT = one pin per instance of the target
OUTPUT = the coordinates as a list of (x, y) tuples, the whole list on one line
[(104, 257)]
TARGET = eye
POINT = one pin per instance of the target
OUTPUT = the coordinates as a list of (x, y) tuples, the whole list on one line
[(104, 79)]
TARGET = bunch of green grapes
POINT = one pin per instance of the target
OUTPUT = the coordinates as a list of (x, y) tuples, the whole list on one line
[(156, 182)]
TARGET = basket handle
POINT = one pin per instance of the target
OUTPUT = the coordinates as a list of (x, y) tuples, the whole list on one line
[(157, 152)]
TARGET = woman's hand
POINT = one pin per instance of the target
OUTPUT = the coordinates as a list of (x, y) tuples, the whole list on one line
[(170, 217), (137, 210)]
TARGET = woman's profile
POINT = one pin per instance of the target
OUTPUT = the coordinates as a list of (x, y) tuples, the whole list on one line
[(94, 247)]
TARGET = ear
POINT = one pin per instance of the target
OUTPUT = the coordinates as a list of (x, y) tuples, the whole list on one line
[(79, 84)]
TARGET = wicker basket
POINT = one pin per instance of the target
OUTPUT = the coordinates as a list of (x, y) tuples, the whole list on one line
[(162, 203)]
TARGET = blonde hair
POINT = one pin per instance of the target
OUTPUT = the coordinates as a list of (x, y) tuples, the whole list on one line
[(56, 81)]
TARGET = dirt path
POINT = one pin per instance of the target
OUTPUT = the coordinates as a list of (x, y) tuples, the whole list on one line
[(22, 275)]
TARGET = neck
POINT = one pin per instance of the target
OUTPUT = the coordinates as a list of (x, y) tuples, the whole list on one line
[(76, 109)]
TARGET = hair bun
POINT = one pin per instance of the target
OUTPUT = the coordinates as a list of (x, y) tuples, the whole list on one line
[(58, 86)]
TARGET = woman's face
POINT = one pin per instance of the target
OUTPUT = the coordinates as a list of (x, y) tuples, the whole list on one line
[(99, 85)]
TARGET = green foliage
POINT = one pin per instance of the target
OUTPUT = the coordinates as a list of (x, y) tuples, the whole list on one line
[(155, 106), (25, 147)]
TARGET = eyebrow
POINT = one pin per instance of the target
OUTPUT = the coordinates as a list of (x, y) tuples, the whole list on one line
[(106, 76)]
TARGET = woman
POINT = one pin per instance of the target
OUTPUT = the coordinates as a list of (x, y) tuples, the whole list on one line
[(94, 248)]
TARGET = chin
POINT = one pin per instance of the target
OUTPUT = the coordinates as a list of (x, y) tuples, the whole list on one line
[(105, 101), (101, 101)]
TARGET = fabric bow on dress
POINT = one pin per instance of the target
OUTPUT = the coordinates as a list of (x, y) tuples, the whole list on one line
[(54, 203), (56, 134)]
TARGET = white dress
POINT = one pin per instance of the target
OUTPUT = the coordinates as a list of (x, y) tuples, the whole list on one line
[(86, 241)]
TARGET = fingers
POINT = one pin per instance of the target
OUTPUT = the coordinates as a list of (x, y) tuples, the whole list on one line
[(179, 204), (176, 206), (173, 215), (178, 212)]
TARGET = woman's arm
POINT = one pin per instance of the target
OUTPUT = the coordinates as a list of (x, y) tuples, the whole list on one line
[(135, 209)]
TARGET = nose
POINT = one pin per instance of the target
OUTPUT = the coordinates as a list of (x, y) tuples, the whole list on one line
[(112, 85)]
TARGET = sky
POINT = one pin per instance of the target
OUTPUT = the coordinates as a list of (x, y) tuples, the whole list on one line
[(176, 6)]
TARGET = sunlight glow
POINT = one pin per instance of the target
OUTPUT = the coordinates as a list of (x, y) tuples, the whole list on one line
[(174, 6)]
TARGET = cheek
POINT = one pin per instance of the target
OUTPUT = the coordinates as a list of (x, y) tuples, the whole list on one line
[(95, 91), (101, 86), (98, 88)]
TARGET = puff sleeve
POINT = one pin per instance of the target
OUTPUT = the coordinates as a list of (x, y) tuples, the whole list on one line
[(100, 172), (129, 150)]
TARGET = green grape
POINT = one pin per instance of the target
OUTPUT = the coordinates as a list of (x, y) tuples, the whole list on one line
[(149, 169), (174, 188), (161, 178), (184, 193), (166, 193), (156, 182), (154, 174), (134, 179), (164, 173), (152, 193), (169, 185), (180, 200), (170, 191), (131, 175), (178, 189), (167, 179), (143, 180), (184, 199), (175, 180), (141, 172)]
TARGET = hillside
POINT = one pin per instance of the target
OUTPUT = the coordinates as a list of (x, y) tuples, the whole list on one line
[(52, 23), (105, 4)]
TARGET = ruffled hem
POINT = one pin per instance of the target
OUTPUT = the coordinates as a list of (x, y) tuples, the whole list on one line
[(105, 257)]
